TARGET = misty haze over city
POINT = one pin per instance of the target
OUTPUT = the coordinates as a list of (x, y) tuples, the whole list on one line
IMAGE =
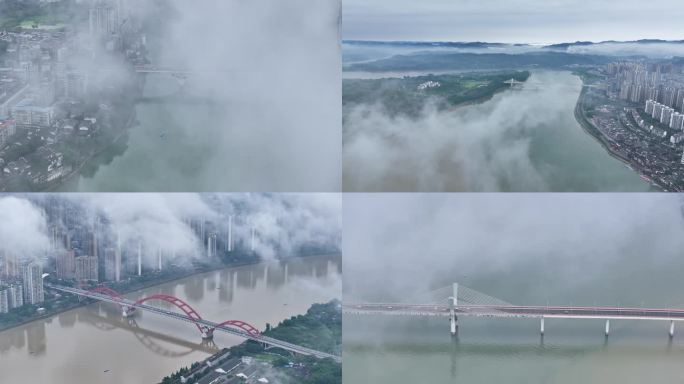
[(280, 130), (181, 227), (170, 96)]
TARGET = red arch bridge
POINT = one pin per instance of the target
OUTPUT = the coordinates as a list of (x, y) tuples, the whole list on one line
[(190, 315)]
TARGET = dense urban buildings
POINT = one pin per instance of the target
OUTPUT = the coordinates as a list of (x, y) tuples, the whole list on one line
[(85, 247), (32, 278), (11, 296), (58, 105), (636, 109)]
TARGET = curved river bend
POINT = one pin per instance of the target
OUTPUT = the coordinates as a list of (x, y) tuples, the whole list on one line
[(521, 140)]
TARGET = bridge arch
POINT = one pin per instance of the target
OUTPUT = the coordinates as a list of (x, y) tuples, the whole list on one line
[(186, 308), (106, 291), (252, 330), (180, 304)]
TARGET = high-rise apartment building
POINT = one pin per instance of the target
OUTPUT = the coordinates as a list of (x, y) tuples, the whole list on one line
[(86, 268), (33, 283)]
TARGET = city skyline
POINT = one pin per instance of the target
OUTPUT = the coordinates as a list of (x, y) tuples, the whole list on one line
[(89, 239)]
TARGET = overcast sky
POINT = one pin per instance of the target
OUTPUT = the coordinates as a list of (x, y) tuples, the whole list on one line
[(513, 21), (401, 243)]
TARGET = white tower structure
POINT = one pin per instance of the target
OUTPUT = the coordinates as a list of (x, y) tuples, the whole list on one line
[(252, 241), (139, 259), (117, 256), (230, 233), (453, 301)]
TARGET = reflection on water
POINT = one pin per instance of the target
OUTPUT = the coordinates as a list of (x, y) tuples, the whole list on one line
[(400, 350), (487, 350), (164, 115), (95, 344)]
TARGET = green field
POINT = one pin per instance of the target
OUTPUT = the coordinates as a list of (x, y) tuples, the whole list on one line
[(403, 96), (36, 24), (23, 14)]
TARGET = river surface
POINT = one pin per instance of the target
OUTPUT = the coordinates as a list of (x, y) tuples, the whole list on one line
[(94, 345), (161, 152), (403, 350), (523, 139)]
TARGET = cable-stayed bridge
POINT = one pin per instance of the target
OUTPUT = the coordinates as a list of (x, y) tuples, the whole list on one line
[(463, 301)]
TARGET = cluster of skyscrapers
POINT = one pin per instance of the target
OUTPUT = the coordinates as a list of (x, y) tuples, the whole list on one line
[(21, 282), (85, 247), (638, 82), (659, 88), (665, 115)]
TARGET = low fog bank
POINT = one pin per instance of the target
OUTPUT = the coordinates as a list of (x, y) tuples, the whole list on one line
[(483, 147), (275, 68), (177, 225), (655, 50), (518, 247), (23, 226), (354, 52)]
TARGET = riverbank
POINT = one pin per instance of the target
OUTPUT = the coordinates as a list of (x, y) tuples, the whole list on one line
[(146, 347), (594, 132), (145, 285), (322, 320), (89, 161)]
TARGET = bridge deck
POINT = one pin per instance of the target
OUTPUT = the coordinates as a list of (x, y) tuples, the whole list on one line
[(209, 324), (517, 311)]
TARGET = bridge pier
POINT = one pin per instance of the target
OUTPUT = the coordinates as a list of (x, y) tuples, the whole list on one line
[(671, 328), (453, 319), (607, 327), (207, 334), (542, 326), (128, 311)]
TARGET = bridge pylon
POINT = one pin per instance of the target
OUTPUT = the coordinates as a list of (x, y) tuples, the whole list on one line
[(671, 328), (453, 303)]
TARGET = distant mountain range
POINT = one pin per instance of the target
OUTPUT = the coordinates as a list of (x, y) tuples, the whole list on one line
[(427, 44), (402, 55), (481, 44), (476, 61), (589, 43)]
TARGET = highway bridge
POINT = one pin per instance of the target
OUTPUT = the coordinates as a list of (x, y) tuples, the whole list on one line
[(189, 315), (452, 309), (174, 70)]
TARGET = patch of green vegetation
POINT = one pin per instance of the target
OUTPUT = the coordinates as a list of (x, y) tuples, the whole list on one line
[(468, 84), (175, 377), (402, 96), (22, 144), (320, 328), (649, 120), (33, 14), (587, 76)]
